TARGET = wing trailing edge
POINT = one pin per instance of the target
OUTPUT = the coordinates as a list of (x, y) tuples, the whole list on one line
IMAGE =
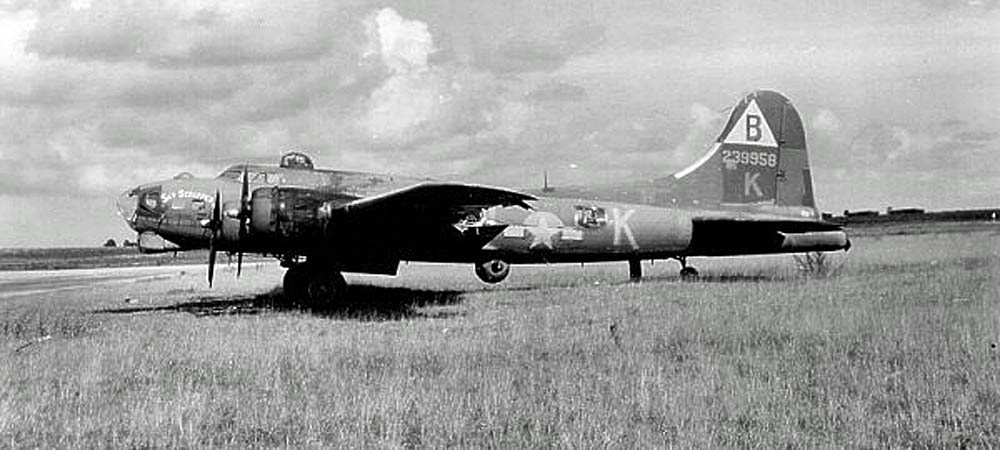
[(432, 195)]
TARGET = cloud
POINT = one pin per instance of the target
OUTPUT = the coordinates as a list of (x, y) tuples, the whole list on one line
[(403, 45), (413, 94), (943, 149), (181, 33), (585, 146), (15, 28), (544, 53), (976, 138), (960, 4), (557, 91), (825, 121), (403, 103), (420, 102), (877, 145), (145, 88), (705, 125)]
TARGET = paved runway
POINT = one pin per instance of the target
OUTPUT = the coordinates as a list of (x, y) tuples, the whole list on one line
[(29, 282)]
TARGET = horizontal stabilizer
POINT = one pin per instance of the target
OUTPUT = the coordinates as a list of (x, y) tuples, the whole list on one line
[(776, 224), (718, 236)]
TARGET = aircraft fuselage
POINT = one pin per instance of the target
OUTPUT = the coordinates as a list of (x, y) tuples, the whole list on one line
[(554, 230), (751, 193)]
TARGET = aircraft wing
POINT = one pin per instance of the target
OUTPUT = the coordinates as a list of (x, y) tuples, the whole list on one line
[(443, 217), (437, 198)]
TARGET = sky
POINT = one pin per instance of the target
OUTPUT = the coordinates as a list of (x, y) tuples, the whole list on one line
[(899, 99)]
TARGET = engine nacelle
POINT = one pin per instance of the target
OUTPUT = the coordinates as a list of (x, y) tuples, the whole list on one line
[(288, 217), (492, 271)]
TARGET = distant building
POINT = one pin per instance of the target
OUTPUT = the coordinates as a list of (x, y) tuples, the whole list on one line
[(864, 213), (903, 211), (910, 215)]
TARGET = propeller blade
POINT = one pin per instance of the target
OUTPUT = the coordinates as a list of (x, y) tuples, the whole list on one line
[(244, 217), (211, 260), (217, 212), (216, 228)]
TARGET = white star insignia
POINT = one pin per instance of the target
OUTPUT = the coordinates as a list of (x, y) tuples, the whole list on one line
[(542, 235)]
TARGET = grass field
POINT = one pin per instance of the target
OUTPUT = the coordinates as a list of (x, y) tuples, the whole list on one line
[(898, 347), (21, 259), (90, 257)]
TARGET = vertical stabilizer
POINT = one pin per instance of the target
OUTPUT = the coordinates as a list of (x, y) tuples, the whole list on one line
[(759, 159)]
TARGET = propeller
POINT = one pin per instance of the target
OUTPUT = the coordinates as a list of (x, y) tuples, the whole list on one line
[(244, 218), (215, 225)]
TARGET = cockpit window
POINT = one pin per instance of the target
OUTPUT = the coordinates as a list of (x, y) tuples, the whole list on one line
[(232, 173), (296, 160), (180, 203), (591, 216), (150, 203), (199, 208), (265, 177), (235, 173)]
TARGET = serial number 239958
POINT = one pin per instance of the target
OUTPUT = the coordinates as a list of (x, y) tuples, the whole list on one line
[(750, 158)]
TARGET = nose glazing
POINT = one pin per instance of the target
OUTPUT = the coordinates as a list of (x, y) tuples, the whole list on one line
[(127, 204)]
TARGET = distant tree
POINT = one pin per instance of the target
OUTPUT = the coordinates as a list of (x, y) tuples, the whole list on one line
[(129, 243), (110, 243)]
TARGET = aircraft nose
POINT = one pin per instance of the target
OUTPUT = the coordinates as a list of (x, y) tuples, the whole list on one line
[(128, 201)]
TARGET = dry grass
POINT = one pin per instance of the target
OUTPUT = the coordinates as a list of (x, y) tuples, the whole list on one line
[(898, 348)]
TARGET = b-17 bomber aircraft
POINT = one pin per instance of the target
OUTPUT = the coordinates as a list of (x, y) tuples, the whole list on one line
[(750, 194)]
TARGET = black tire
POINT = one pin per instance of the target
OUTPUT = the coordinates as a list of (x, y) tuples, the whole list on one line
[(293, 284), (689, 273), (325, 288), (492, 271)]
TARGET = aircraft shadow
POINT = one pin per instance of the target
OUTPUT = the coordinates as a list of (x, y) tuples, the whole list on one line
[(706, 279), (360, 302), (734, 278)]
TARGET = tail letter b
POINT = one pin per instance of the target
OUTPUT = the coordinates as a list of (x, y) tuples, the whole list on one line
[(753, 128)]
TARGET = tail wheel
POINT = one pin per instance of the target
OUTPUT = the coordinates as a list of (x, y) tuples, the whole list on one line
[(492, 271)]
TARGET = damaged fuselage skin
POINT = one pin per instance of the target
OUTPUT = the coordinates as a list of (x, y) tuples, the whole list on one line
[(750, 194)]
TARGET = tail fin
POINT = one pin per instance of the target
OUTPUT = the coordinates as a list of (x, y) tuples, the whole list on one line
[(759, 159)]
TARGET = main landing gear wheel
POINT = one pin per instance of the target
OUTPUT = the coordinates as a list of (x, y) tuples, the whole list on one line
[(294, 281), (314, 286), (492, 271)]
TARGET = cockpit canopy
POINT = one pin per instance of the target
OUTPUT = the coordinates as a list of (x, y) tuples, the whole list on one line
[(269, 174), (296, 160), (255, 174)]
